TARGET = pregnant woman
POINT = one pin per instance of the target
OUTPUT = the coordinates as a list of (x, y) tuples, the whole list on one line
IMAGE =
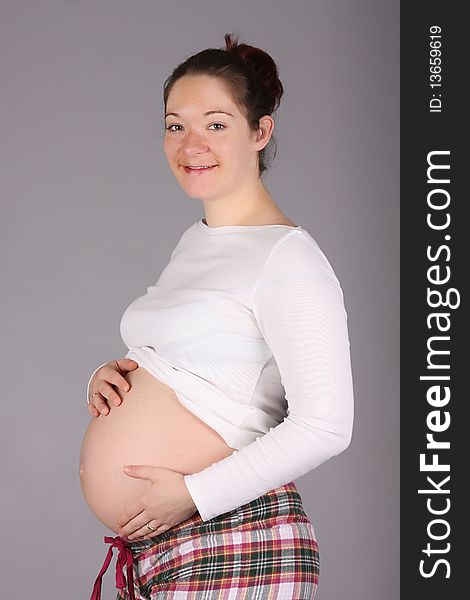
[(238, 376)]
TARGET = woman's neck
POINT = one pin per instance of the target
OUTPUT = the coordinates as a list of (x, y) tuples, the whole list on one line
[(259, 209)]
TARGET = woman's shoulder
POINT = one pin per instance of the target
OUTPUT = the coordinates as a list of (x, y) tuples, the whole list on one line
[(295, 253)]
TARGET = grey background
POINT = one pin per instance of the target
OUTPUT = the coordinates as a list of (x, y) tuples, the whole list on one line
[(90, 212)]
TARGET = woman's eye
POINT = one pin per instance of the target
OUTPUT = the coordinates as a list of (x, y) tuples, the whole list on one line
[(222, 126)]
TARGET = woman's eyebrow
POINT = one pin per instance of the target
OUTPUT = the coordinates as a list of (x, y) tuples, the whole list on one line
[(206, 114)]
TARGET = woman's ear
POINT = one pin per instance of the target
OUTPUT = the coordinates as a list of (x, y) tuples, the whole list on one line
[(266, 127)]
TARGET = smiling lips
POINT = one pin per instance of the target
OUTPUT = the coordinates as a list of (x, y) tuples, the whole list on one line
[(199, 169)]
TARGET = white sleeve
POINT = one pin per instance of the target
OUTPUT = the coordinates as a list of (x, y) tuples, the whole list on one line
[(298, 305), (89, 381)]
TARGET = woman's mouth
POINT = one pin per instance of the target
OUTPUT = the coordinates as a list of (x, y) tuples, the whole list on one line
[(199, 170)]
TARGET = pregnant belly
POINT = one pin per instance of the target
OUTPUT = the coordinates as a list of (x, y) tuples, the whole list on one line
[(150, 427)]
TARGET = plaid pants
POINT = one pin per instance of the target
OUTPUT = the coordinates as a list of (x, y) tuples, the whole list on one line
[(263, 550)]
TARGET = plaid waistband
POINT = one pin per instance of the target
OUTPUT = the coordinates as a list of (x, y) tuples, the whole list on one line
[(279, 505)]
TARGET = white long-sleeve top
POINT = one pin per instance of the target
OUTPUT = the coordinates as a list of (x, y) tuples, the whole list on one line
[(247, 324)]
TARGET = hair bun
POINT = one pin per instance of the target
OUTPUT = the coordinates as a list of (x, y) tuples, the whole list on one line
[(259, 65)]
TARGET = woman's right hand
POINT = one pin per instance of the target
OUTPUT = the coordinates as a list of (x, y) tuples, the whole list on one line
[(101, 389)]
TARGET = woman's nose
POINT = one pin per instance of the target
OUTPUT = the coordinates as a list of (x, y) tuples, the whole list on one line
[(194, 142)]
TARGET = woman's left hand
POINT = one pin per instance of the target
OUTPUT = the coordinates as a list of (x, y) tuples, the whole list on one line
[(164, 504)]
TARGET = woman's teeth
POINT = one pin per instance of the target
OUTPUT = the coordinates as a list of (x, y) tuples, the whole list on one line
[(201, 168)]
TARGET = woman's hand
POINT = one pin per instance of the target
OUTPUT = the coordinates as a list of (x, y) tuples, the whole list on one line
[(164, 504), (101, 389)]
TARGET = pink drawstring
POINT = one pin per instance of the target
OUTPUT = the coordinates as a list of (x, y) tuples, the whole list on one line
[(124, 558)]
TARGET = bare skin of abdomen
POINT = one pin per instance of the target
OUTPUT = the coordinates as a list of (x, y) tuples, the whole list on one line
[(150, 427)]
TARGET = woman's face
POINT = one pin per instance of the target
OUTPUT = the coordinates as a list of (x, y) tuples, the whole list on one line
[(195, 138)]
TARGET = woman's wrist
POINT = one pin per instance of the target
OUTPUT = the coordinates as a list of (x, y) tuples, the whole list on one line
[(89, 382)]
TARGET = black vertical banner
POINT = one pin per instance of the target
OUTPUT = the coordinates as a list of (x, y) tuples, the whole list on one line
[(435, 259)]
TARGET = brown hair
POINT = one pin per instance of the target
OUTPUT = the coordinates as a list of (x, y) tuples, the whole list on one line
[(251, 75)]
